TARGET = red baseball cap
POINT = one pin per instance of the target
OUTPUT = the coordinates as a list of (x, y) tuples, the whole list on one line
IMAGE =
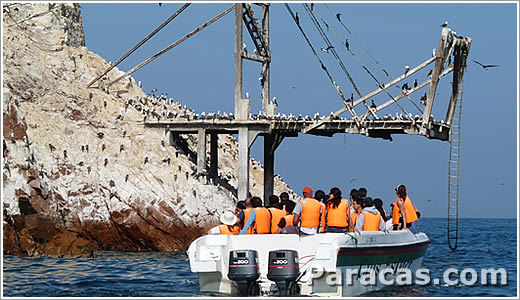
[(307, 190)]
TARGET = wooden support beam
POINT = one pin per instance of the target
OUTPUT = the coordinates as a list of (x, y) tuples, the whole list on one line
[(437, 69), (271, 142), (201, 151), (368, 96), (255, 57), (213, 161), (389, 102), (238, 57), (267, 109), (458, 75), (243, 163)]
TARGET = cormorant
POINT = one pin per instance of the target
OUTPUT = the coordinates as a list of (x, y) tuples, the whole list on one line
[(52, 147), (126, 178), (444, 24), (486, 66), (64, 154), (338, 16), (415, 83), (106, 162), (146, 160), (121, 148), (103, 147), (347, 45), (100, 135)]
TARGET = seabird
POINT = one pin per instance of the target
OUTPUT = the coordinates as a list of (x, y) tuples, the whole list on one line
[(274, 101), (82, 148), (244, 48), (433, 52), (106, 162), (346, 44), (13, 139), (162, 143), (86, 148), (146, 160), (103, 147), (88, 169), (105, 103), (486, 66), (247, 95), (126, 178), (187, 175), (297, 19), (406, 69), (415, 83), (430, 72), (52, 147), (64, 154), (90, 96), (159, 4), (100, 135), (373, 105), (444, 24), (338, 16), (112, 183), (124, 133), (153, 91), (121, 148), (81, 163)]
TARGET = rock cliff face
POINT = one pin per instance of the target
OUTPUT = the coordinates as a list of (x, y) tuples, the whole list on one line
[(80, 171)]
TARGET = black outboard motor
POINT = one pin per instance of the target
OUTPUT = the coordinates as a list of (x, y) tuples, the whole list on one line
[(243, 269), (283, 269)]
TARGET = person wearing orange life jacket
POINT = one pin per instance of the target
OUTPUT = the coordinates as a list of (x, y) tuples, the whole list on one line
[(228, 226), (310, 212), (336, 213), (241, 205), (358, 208), (259, 219), (286, 223), (354, 194), (277, 212), (244, 218), (370, 219), (404, 205)]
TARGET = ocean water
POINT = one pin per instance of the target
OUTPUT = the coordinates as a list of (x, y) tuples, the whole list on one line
[(483, 243)]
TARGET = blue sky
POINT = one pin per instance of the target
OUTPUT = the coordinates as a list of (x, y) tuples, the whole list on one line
[(200, 74)]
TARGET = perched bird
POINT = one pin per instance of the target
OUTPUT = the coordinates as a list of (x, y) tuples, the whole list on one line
[(126, 177), (373, 105), (100, 135), (64, 154), (86, 148), (297, 19), (82, 148), (103, 147), (312, 6), (434, 52), (444, 24), (347, 45), (88, 169), (90, 96), (146, 160), (52, 147), (81, 163), (244, 48), (415, 83), (159, 4), (247, 95), (486, 66), (112, 183), (406, 69), (274, 101), (153, 91), (106, 162), (105, 103), (124, 133), (338, 16), (13, 140), (121, 148), (430, 72)]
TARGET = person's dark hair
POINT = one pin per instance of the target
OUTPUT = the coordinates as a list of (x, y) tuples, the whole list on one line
[(320, 196), (378, 203), (369, 202), (256, 202), (354, 194), (289, 206), (241, 204), (360, 201), (363, 192), (284, 196), (274, 201), (401, 192), (336, 197)]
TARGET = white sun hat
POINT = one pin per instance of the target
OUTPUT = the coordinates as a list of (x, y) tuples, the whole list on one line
[(228, 218)]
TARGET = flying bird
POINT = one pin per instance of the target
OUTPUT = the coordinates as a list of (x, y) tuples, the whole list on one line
[(444, 24), (486, 66), (327, 49)]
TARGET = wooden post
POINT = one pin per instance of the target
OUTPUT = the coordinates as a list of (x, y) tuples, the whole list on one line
[(268, 168), (201, 151), (437, 69), (266, 92), (243, 163), (213, 166), (458, 75), (238, 57)]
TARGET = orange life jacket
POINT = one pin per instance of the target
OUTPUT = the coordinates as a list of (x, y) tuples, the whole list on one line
[(277, 215), (409, 210), (262, 220), (353, 219), (311, 213), (224, 229), (337, 217), (289, 220), (251, 229), (371, 222)]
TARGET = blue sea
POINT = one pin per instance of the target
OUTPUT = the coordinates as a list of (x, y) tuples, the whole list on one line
[(483, 243)]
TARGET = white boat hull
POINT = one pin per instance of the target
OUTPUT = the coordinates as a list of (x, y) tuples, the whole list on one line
[(336, 254)]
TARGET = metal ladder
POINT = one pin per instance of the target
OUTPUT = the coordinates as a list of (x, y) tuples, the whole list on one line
[(454, 174)]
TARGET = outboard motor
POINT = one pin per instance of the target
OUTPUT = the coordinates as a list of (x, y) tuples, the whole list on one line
[(243, 269), (284, 270)]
